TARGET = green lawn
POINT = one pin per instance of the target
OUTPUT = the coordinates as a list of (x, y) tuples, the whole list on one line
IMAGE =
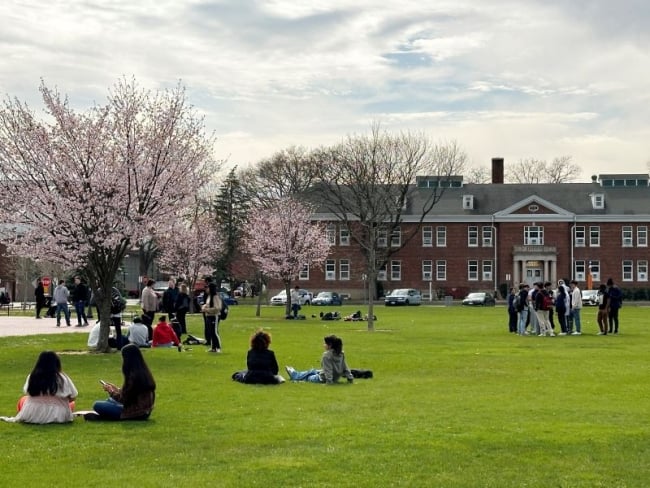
[(456, 402)]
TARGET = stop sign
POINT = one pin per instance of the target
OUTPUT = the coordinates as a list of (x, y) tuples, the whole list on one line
[(46, 281)]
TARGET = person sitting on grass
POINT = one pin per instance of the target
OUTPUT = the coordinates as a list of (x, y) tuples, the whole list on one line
[(260, 361), (49, 394), (333, 365), (164, 335), (135, 400), (138, 333)]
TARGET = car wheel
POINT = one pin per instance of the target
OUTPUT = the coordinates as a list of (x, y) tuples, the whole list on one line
[(407, 303)]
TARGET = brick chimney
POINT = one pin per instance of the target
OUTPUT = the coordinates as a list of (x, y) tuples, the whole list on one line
[(497, 170)]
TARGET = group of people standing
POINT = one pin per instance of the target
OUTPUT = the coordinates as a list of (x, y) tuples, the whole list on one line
[(531, 311), (80, 298)]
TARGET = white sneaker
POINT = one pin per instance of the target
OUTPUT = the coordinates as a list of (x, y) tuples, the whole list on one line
[(541, 335), (576, 333), (290, 371), (600, 333), (552, 334), (562, 333)]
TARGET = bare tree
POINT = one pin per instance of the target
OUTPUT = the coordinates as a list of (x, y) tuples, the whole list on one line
[(286, 173), (367, 183), (478, 175), (559, 170)]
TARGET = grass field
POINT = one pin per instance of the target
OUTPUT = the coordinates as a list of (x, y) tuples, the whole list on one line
[(456, 401)]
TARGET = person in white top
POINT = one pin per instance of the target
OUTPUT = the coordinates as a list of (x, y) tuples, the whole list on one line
[(576, 307), (49, 394), (138, 333)]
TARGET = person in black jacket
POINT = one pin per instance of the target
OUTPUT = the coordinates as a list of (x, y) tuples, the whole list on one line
[(39, 295), (260, 361), (79, 297)]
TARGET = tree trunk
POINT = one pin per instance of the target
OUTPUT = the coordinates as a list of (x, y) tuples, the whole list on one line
[(372, 284), (104, 304), (287, 288)]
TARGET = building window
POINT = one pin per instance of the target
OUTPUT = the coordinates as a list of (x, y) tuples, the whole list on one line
[(534, 235), (395, 270), (427, 270), (580, 270), (427, 236), (594, 236), (344, 269), (344, 236), (626, 236), (627, 270), (487, 236), (382, 238), (304, 273), (396, 237), (580, 236), (441, 236), (594, 270), (468, 202), (642, 270), (472, 236), (331, 234), (441, 270), (381, 274), (330, 269), (642, 236), (598, 200), (472, 270), (487, 270)]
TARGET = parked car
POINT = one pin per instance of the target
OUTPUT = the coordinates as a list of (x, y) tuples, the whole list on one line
[(227, 299), (327, 298), (281, 298), (403, 296), (480, 298), (590, 297)]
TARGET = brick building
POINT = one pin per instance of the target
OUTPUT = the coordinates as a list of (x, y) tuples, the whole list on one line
[(482, 236)]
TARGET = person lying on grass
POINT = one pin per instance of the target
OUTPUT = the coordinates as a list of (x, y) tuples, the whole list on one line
[(134, 401), (333, 365), (49, 394)]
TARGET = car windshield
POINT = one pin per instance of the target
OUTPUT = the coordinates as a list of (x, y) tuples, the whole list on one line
[(476, 295), (324, 294), (399, 293)]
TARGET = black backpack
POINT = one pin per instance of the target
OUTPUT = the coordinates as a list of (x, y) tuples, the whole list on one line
[(118, 304), (223, 313)]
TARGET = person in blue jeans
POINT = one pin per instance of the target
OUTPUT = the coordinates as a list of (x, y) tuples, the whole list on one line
[(333, 365), (576, 307), (61, 296), (522, 308)]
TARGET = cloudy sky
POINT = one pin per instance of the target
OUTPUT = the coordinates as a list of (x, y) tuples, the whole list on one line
[(511, 78)]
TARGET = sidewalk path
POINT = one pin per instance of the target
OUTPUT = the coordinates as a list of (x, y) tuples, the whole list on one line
[(22, 326)]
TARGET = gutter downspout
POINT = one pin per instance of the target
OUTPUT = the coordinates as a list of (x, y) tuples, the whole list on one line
[(494, 239), (573, 233)]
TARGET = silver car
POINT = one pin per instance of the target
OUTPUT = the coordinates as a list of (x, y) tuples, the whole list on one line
[(403, 296)]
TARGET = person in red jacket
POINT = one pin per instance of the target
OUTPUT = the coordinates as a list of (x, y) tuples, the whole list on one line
[(164, 335)]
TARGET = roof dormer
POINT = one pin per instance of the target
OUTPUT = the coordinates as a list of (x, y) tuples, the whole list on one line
[(468, 202)]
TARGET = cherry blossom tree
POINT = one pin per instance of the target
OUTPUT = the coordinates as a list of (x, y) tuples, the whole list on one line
[(282, 240), (82, 188), (189, 251)]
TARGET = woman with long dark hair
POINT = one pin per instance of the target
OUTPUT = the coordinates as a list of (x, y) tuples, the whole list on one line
[(49, 393), (211, 309), (333, 365), (134, 401)]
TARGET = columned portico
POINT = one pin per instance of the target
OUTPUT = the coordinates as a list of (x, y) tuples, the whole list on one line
[(534, 263)]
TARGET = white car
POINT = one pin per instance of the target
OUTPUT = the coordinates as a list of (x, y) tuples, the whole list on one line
[(590, 297), (403, 296), (281, 298)]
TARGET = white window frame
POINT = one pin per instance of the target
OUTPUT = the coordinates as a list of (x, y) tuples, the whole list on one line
[(330, 270), (487, 236), (396, 270), (441, 270), (534, 235), (580, 236), (427, 270), (472, 236), (441, 236), (468, 202), (594, 270), (627, 270), (427, 236), (344, 235), (382, 275), (330, 233), (594, 236), (598, 200), (344, 269), (303, 275), (396, 237), (642, 270), (580, 270), (486, 275), (627, 233), (642, 236), (382, 238), (472, 270)]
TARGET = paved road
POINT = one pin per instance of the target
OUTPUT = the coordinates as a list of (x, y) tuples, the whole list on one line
[(21, 326)]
